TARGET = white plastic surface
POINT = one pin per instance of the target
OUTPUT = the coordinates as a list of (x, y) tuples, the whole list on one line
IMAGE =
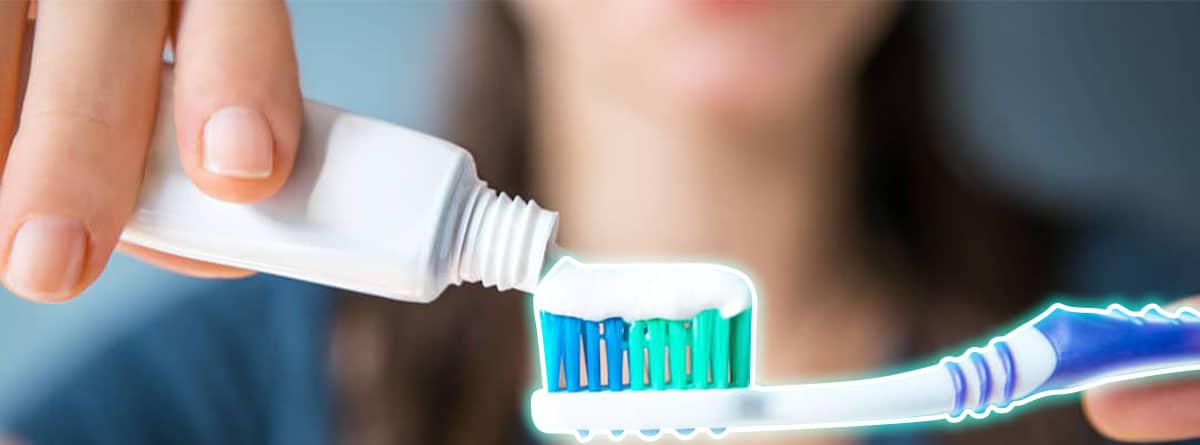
[(924, 394), (369, 206)]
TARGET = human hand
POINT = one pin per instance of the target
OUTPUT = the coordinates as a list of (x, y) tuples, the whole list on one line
[(1147, 412), (74, 167)]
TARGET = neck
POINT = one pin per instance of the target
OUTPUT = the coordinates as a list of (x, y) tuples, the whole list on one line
[(689, 185), (774, 198)]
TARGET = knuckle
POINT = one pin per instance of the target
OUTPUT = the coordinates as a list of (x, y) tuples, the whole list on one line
[(67, 115)]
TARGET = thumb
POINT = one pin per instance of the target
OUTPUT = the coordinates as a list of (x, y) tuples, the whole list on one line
[(1147, 411)]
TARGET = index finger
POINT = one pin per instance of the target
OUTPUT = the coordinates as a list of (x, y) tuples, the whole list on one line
[(12, 31), (237, 97)]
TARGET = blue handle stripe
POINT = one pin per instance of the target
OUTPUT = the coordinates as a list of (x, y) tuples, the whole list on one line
[(1010, 372), (985, 380), (960, 387)]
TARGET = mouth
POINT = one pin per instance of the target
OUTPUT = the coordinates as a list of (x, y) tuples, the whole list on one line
[(723, 7)]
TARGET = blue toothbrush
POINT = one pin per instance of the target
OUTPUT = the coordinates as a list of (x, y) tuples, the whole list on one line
[(682, 376)]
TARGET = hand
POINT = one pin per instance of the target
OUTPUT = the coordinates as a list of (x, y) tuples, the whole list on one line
[(73, 168), (1147, 412)]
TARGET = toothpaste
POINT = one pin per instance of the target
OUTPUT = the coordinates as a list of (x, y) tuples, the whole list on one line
[(642, 291)]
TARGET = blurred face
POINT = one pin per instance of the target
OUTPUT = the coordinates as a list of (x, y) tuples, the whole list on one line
[(749, 59)]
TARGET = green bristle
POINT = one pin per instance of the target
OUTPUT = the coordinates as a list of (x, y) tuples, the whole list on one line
[(637, 356), (658, 349), (720, 353), (741, 349), (679, 338), (702, 331)]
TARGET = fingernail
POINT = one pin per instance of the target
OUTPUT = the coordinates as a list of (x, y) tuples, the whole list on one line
[(46, 257), (238, 143)]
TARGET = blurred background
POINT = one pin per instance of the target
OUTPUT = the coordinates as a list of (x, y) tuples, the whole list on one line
[(1091, 115)]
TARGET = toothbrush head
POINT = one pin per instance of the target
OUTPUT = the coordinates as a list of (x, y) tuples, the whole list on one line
[(644, 349), (607, 332)]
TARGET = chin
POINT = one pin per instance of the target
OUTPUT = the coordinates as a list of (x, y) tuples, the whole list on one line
[(739, 88)]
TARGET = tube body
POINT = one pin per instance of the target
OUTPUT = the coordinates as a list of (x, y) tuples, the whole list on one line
[(369, 206)]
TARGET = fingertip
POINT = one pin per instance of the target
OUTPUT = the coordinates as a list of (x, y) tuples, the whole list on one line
[(1098, 409), (238, 108), (43, 299), (240, 157), (181, 265), (239, 191), (39, 297), (1144, 412), (47, 257), (237, 143)]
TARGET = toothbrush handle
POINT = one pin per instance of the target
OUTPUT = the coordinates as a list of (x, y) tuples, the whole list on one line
[(1095, 345)]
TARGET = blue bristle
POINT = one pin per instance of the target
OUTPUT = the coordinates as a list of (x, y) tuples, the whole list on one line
[(617, 433), (552, 344), (685, 431), (649, 433), (591, 346), (571, 328), (583, 434), (718, 430), (614, 343)]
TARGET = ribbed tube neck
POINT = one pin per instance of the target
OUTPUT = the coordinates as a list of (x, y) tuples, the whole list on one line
[(506, 240)]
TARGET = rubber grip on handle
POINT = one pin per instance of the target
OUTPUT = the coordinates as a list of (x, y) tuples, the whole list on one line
[(1095, 344)]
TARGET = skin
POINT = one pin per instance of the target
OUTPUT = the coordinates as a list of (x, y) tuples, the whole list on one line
[(80, 129)]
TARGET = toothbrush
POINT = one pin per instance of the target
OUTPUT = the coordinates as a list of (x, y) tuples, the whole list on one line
[(685, 375)]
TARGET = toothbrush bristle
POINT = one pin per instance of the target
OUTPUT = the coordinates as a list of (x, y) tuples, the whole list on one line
[(703, 352)]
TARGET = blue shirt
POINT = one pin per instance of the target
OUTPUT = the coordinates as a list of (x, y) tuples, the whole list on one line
[(242, 362)]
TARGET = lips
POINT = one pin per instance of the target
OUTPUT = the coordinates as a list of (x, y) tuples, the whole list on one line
[(718, 7)]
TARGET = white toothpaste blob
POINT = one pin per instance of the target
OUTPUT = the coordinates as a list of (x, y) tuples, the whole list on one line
[(671, 291)]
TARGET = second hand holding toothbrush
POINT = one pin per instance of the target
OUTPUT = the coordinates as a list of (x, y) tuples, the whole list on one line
[(691, 373)]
